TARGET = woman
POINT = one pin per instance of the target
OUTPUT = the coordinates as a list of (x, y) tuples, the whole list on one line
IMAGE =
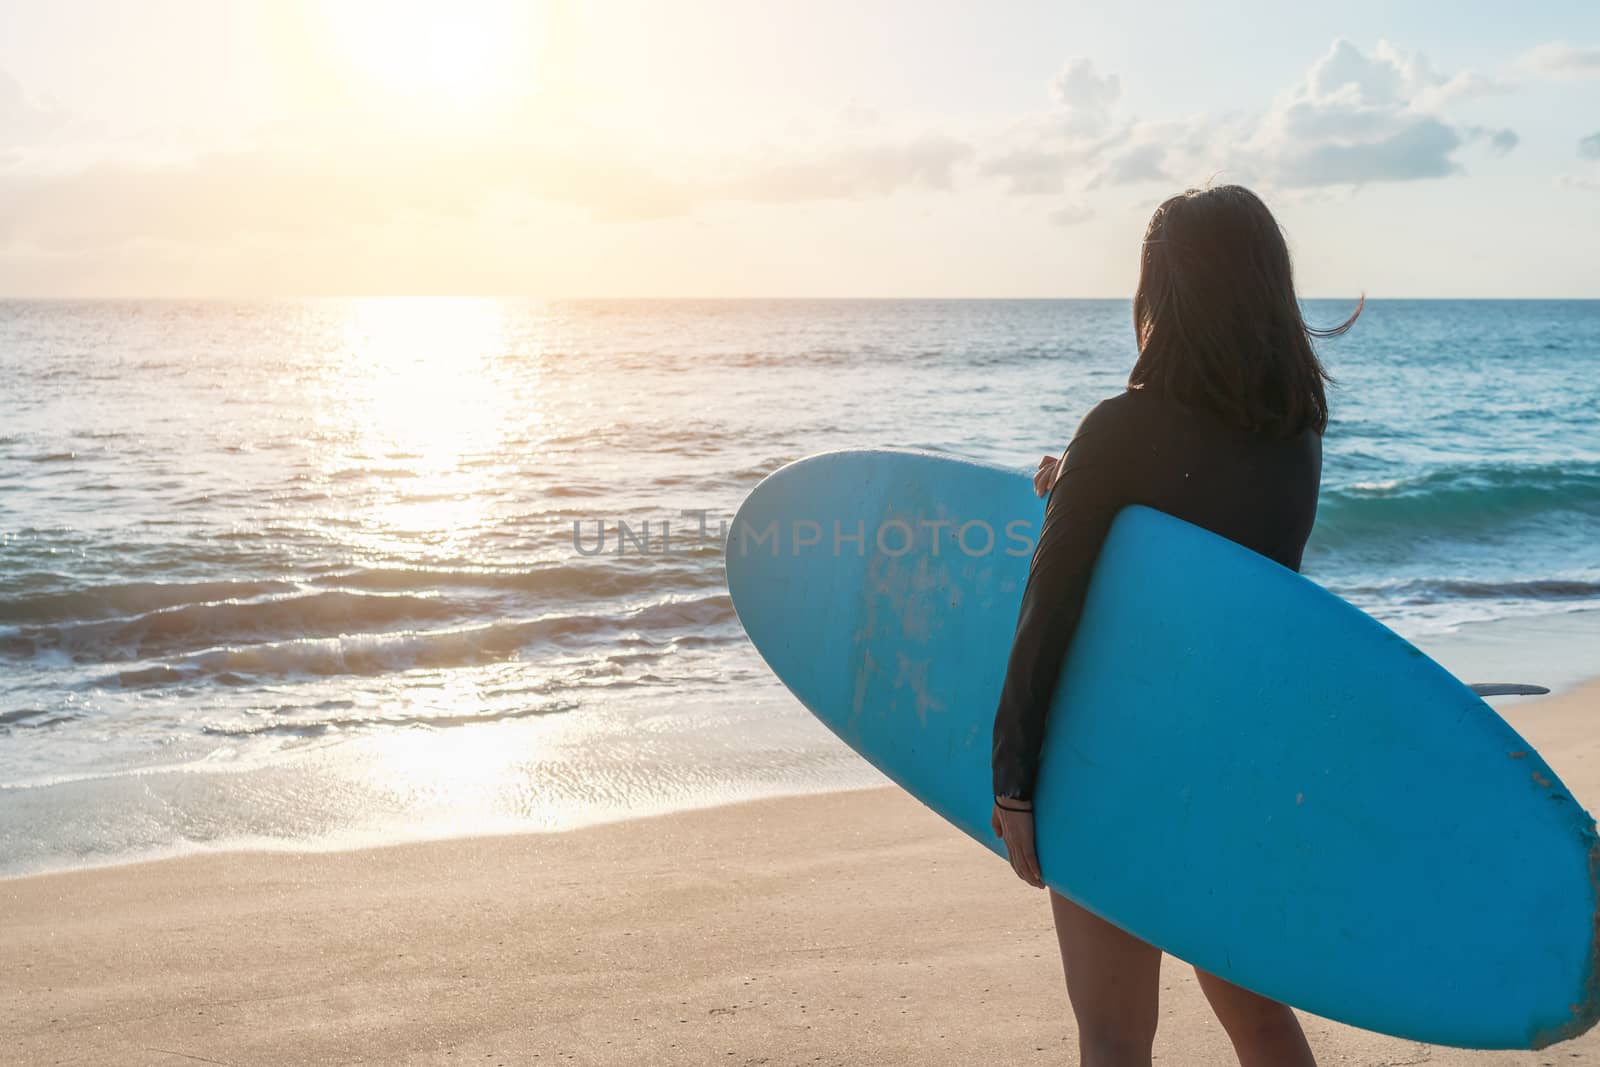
[(1221, 425)]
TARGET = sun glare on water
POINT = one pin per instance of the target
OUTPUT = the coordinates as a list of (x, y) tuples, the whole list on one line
[(418, 399), (469, 53)]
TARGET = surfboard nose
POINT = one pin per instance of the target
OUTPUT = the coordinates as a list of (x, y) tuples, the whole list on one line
[(882, 587), (833, 549)]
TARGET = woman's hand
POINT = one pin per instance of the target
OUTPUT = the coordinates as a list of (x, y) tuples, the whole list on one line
[(1014, 826), (1044, 479)]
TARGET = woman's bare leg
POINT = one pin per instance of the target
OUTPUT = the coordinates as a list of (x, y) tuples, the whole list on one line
[(1264, 1033), (1114, 983)]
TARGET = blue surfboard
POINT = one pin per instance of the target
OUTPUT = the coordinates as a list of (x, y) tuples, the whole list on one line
[(1239, 768)]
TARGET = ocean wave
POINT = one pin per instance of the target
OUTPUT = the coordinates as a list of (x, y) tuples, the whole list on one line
[(695, 620), (1421, 591), (377, 474), (34, 718), (165, 630), (1456, 500), (608, 577), (42, 611), (559, 492), (127, 598), (321, 727)]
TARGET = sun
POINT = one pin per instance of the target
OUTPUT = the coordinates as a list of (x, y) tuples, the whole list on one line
[(466, 53)]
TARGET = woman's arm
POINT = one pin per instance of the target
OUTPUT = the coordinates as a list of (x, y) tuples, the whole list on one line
[(1087, 495)]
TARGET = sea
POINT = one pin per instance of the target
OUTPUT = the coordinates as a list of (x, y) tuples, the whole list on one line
[(333, 573)]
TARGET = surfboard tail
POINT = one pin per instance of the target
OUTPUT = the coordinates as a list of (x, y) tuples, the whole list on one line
[(1586, 1012)]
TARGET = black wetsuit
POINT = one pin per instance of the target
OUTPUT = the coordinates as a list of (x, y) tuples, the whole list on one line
[(1140, 447)]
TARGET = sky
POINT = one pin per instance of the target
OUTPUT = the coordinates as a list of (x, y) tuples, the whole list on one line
[(688, 148)]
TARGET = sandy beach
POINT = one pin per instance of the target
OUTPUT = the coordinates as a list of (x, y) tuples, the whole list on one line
[(847, 928)]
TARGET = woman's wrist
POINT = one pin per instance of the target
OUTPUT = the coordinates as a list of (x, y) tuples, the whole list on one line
[(1013, 804)]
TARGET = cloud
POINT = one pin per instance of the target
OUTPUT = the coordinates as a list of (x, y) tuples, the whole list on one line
[(303, 183), (1076, 141), (1137, 162), (1355, 117), (1346, 74), (222, 197), (1461, 86), (67, 189), (1038, 157), (1085, 98), (1028, 171), (1561, 60), (1358, 118), (1071, 214), (1588, 148), (1418, 149), (851, 172)]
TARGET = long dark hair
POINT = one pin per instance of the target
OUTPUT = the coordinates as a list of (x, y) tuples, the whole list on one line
[(1217, 319)]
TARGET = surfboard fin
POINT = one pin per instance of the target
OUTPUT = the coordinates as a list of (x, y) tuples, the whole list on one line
[(1507, 689)]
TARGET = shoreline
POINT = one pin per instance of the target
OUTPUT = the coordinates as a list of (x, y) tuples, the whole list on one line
[(1484, 645), (1553, 648), (842, 927), (285, 847)]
